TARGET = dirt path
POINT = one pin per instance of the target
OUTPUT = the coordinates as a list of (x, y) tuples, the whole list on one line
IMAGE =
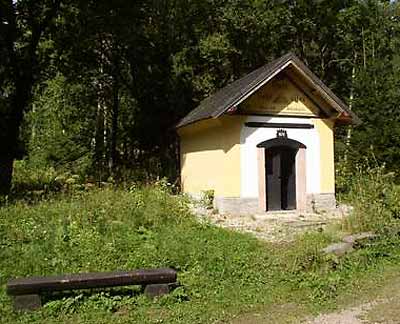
[(379, 311), (347, 316), (380, 305)]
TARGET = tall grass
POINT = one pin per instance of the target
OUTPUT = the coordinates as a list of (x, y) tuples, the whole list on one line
[(113, 229), (222, 272), (375, 197)]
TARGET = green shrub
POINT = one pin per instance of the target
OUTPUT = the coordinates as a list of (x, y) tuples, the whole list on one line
[(376, 200), (207, 198)]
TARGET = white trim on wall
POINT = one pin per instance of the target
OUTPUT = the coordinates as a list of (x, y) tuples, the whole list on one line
[(250, 137)]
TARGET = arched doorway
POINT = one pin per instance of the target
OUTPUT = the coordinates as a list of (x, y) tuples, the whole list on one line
[(281, 174)]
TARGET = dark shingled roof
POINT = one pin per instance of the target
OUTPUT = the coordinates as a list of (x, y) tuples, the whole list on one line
[(229, 96)]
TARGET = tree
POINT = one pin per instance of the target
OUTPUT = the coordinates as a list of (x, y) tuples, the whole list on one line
[(370, 37), (23, 24), (112, 78)]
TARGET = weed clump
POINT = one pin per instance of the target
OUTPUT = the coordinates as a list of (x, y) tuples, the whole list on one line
[(375, 197)]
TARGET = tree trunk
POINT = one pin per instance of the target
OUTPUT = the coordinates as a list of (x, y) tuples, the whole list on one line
[(6, 170), (10, 135), (351, 99), (114, 127), (99, 134), (23, 63), (9, 140)]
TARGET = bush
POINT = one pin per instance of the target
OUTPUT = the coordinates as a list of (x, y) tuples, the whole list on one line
[(33, 182), (376, 200)]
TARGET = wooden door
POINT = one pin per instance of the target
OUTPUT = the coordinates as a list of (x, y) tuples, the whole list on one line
[(280, 173), (273, 179), (288, 179)]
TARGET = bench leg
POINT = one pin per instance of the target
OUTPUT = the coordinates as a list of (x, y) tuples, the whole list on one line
[(27, 302), (156, 290)]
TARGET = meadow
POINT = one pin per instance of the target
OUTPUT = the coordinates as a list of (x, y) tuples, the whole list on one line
[(222, 273)]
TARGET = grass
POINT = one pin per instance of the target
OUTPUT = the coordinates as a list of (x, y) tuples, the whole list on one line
[(223, 273), (114, 229), (386, 310)]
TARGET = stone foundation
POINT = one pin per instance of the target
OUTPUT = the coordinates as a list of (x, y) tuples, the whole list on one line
[(323, 202), (236, 205), (318, 203)]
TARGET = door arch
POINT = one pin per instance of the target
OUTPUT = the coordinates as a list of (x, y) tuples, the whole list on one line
[(282, 183)]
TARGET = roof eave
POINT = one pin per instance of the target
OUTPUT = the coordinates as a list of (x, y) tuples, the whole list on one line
[(347, 119), (347, 116)]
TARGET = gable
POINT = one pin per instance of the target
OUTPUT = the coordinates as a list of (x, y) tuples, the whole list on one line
[(280, 97)]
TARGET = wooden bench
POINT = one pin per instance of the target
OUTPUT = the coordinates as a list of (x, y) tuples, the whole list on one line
[(27, 292)]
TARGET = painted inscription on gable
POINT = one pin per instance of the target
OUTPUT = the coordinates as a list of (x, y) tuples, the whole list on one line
[(280, 97)]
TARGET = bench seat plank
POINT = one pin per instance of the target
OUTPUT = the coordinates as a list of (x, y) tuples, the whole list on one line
[(35, 285)]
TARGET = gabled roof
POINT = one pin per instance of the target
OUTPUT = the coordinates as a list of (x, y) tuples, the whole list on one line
[(236, 92)]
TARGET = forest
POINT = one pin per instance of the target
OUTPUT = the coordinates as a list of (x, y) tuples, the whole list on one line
[(96, 87), (90, 93)]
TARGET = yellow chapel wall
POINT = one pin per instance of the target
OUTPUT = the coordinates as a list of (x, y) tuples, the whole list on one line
[(210, 149), (281, 97), (325, 130), (210, 156)]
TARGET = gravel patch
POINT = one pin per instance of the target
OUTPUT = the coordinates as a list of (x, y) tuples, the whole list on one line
[(282, 226)]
